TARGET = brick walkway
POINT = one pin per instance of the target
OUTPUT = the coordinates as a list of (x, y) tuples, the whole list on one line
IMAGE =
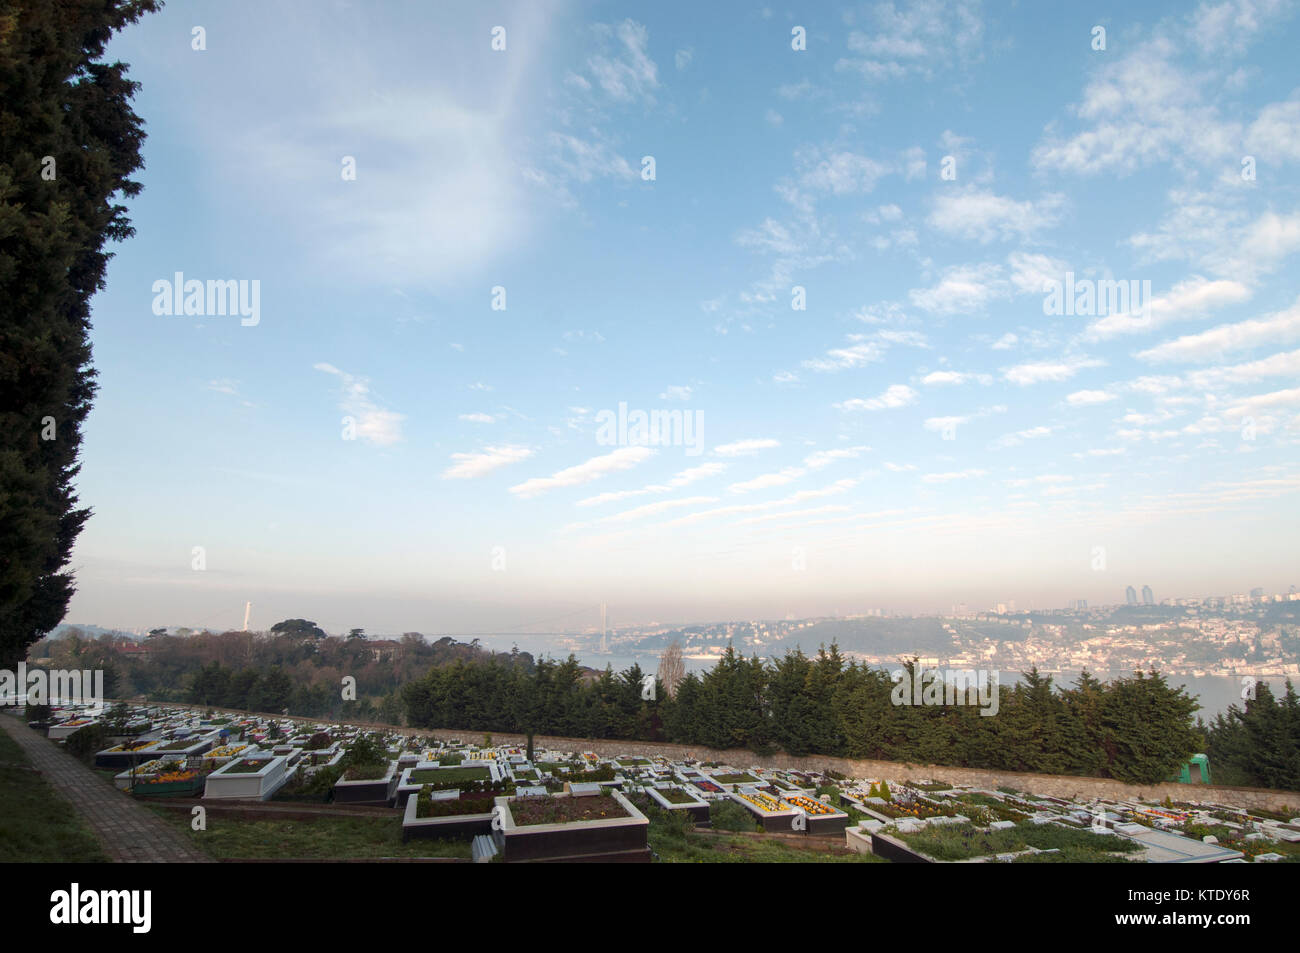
[(128, 832)]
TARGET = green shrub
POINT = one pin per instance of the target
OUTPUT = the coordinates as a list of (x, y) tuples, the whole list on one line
[(730, 816), (40, 713), (85, 742)]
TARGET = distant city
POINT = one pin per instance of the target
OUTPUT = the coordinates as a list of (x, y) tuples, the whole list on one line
[(1255, 634)]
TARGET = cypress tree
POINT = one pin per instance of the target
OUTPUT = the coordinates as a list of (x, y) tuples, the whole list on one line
[(69, 142)]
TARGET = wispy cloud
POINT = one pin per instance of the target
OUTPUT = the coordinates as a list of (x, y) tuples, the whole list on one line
[(469, 466), (373, 423), (623, 458)]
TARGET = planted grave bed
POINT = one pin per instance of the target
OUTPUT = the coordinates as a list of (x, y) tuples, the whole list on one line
[(256, 777), (601, 827), (371, 784), (680, 800), (770, 812), (736, 777), (171, 784), (428, 815), (821, 818)]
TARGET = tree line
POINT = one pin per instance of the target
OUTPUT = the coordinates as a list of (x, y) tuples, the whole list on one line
[(1258, 744), (1137, 729)]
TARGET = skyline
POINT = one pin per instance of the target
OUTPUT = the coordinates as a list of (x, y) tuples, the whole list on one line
[(851, 294)]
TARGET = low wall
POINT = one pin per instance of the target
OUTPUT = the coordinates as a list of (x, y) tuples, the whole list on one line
[(1046, 785)]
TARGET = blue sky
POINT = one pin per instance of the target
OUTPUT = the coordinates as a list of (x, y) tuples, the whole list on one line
[(921, 433)]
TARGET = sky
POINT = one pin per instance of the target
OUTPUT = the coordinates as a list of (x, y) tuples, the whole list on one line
[(827, 247)]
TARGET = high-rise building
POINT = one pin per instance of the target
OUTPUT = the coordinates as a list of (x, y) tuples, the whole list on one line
[(1148, 597), (1131, 596)]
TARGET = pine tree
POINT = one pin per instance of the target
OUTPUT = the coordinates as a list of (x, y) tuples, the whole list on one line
[(69, 142)]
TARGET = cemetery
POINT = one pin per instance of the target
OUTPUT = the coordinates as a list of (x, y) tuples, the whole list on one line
[(517, 805)]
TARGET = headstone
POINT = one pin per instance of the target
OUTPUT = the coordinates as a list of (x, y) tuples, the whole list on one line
[(483, 849)]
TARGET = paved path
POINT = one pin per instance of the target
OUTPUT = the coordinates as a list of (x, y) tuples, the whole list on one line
[(128, 832)]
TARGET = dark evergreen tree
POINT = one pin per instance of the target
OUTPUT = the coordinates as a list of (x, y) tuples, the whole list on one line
[(69, 143)]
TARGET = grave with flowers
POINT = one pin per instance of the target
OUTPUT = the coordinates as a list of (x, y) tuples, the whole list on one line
[(256, 776), (772, 813)]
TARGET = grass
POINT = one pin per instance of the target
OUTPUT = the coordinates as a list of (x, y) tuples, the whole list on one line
[(962, 841), (329, 838), (674, 840), (735, 778), (677, 796), (366, 772), (36, 825), (449, 775), (730, 816)]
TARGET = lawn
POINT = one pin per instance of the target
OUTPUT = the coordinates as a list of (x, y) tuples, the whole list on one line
[(328, 838), (441, 776), (962, 841), (37, 826), (674, 840)]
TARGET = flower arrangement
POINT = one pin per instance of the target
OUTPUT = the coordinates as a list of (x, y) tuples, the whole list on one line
[(768, 805), (170, 777), (226, 751), (808, 805)]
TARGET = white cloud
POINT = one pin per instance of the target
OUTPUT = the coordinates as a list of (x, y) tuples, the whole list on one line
[(1086, 398), (1279, 327), (840, 173), (961, 290), (1040, 371), (941, 424), (469, 466), (896, 395), (623, 458), (822, 458), (915, 39), (1020, 436), (654, 509), (833, 489), (1191, 298), (787, 475), (939, 378), (1285, 364), (814, 461), (1275, 135), (743, 448), (624, 69), (1140, 109), (478, 418), (374, 423), (955, 475), (855, 355), (676, 392), (983, 216), (685, 478)]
